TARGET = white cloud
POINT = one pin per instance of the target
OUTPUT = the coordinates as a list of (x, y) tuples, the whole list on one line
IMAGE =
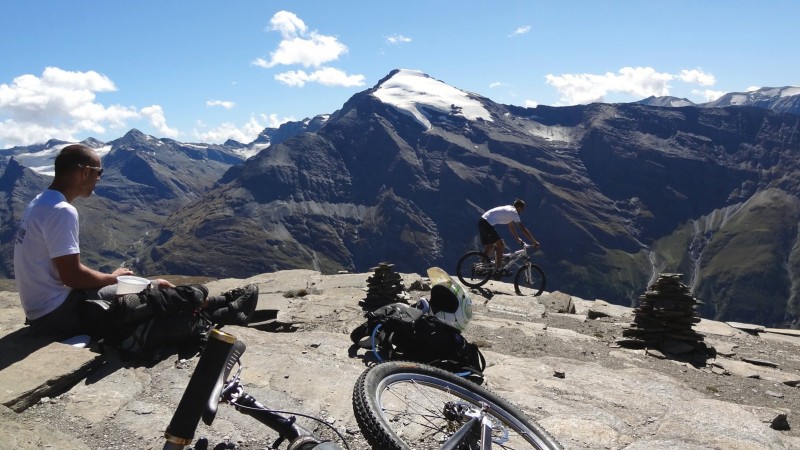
[(309, 49), (298, 46), (708, 94), (697, 76), (157, 119), (521, 30), (327, 76), (531, 103), (497, 84), (245, 134), (222, 103), (288, 24), (753, 88), (62, 104), (638, 82), (398, 39)]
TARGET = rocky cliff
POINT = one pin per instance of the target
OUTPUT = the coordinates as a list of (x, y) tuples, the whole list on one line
[(560, 358)]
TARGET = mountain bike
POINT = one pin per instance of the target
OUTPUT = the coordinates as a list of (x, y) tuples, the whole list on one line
[(405, 405), (208, 387), (474, 269), (398, 406)]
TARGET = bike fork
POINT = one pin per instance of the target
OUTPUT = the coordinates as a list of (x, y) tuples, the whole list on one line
[(478, 424)]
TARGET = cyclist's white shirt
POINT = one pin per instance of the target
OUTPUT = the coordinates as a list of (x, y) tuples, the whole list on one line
[(502, 215), (48, 229)]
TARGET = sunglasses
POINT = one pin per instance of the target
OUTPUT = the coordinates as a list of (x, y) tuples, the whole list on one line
[(99, 170)]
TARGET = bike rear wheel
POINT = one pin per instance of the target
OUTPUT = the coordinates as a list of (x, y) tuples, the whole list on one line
[(530, 283), (474, 269), (403, 406)]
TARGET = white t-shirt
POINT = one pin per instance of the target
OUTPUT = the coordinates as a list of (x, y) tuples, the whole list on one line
[(48, 229), (502, 215)]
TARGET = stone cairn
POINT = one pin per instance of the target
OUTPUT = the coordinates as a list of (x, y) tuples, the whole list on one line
[(385, 286), (665, 316)]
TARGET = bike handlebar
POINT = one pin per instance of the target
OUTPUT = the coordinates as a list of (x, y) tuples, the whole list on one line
[(218, 358)]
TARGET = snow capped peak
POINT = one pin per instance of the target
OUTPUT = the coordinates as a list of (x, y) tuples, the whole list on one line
[(417, 94)]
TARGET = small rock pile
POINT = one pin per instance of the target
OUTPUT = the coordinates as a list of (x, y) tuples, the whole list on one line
[(665, 316), (385, 286)]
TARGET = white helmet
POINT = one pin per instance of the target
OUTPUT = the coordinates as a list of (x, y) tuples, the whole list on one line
[(449, 301)]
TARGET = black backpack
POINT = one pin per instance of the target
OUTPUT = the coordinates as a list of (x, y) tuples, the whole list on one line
[(402, 332)]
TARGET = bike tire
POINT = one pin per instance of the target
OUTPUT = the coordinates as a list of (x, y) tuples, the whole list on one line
[(384, 393), (466, 269), (535, 286)]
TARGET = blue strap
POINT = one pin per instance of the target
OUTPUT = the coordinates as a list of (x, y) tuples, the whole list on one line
[(374, 349)]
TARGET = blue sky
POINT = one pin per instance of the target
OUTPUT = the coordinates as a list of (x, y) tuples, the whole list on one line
[(206, 71)]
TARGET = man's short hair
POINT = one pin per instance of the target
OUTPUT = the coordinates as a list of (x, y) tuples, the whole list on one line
[(519, 204), (71, 156)]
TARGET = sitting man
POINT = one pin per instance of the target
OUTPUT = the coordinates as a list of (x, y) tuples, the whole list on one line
[(62, 297)]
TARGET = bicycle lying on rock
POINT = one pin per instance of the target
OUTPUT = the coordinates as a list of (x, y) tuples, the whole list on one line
[(474, 269), (398, 406)]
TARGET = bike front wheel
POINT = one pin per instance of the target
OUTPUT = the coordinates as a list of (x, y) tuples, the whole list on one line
[(404, 406), (530, 280), (474, 269)]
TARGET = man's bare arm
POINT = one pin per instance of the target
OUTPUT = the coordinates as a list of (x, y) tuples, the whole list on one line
[(527, 233), (74, 274)]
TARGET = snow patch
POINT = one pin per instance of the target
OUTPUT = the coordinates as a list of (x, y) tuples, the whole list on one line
[(790, 91), (411, 90), (552, 133), (738, 99), (251, 151)]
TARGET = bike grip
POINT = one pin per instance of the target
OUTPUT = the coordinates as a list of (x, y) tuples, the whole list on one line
[(201, 385), (234, 354)]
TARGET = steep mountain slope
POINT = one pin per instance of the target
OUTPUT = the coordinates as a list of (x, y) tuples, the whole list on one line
[(145, 180), (403, 171)]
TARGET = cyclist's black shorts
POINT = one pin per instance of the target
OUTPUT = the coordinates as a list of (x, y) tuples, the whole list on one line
[(488, 233)]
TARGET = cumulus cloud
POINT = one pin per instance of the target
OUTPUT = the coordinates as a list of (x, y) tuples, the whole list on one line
[(697, 76), (521, 30), (224, 104), (639, 82), (708, 94), (288, 24), (309, 49), (398, 39), (61, 104), (327, 76), (157, 119), (245, 133), (531, 103)]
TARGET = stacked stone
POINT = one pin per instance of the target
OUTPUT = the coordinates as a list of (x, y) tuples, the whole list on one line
[(665, 315), (383, 287)]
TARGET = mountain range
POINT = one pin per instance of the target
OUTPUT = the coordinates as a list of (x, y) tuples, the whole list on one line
[(616, 193)]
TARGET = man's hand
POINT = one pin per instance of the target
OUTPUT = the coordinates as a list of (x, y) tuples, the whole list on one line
[(122, 271), (161, 283)]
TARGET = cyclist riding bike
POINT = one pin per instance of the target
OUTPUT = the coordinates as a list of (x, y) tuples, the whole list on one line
[(490, 238)]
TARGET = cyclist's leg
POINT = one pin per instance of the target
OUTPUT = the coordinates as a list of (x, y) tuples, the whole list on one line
[(499, 248), (491, 238)]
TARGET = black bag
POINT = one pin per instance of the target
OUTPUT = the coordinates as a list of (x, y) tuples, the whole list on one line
[(187, 333), (402, 332), (141, 325)]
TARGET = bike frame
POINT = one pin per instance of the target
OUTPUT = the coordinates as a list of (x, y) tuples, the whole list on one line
[(515, 257)]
